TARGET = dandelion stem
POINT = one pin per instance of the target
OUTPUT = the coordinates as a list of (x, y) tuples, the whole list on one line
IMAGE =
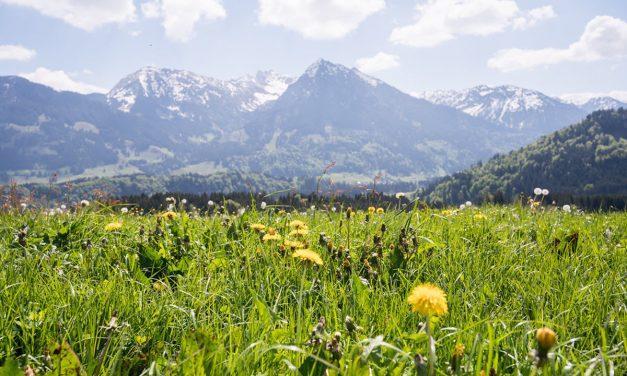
[(432, 357)]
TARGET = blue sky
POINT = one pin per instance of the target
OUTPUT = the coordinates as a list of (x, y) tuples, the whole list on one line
[(560, 46)]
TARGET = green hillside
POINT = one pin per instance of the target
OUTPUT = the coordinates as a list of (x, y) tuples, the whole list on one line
[(588, 158)]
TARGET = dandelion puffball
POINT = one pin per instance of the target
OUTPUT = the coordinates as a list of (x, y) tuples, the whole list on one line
[(462, 207), (537, 191), (210, 203), (263, 205), (566, 208), (468, 204), (545, 192)]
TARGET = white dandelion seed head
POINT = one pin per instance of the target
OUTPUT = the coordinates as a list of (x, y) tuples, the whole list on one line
[(184, 201), (537, 191), (23, 205), (84, 203), (545, 192), (399, 195), (333, 209), (313, 207), (63, 207), (124, 210), (263, 205), (241, 211), (462, 207), (468, 204), (566, 208), (210, 203)]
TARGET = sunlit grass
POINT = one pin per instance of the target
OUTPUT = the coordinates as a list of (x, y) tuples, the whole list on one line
[(197, 293)]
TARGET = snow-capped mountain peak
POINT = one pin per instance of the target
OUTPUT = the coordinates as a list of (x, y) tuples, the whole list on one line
[(176, 89), (511, 106)]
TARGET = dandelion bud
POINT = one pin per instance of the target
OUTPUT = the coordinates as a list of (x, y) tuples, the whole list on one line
[(456, 356), (546, 339)]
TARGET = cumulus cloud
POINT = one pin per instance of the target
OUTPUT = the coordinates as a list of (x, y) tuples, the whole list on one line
[(61, 81), (533, 17), (604, 37), (318, 19), (16, 52), (180, 16), (378, 62), (439, 21), (86, 15)]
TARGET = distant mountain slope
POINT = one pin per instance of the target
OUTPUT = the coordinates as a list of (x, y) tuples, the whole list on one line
[(334, 113), (42, 130), (586, 158)]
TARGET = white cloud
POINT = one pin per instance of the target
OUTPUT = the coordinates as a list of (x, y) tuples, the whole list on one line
[(180, 16), (83, 14), (61, 81), (533, 17), (16, 52), (378, 62), (605, 37), (318, 19), (581, 98), (439, 21)]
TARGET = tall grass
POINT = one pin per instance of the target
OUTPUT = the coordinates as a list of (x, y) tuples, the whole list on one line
[(203, 294)]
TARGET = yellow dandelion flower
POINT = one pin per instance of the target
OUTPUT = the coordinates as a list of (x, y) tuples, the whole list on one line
[(428, 300), (308, 255), (546, 338), (169, 215), (480, 216), (299, 232), (140, 340), (371, 209), (113, 226), (294, 244), (258, 227), (380, 210), (298, 224), (270, 237), (447, 212)]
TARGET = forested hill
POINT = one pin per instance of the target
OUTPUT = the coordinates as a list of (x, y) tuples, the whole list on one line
[(588, 158)]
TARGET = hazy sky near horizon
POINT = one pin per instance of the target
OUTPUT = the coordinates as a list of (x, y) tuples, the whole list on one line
[(555, 46)]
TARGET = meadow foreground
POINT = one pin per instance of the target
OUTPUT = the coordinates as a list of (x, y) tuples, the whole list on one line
[(504, 290)]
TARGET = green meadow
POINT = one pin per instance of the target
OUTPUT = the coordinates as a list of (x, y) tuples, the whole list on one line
[(97, 290)]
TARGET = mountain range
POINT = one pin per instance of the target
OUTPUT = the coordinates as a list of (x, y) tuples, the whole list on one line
[(174, 122)]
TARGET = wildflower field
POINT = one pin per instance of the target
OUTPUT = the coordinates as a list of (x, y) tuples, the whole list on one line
[(483, 290)]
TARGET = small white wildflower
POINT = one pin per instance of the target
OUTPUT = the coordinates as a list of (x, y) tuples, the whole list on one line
[(566, 208), (84, 203), (124, 210), (263, 205), (545, 192), (537, 191), (468, 204)]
